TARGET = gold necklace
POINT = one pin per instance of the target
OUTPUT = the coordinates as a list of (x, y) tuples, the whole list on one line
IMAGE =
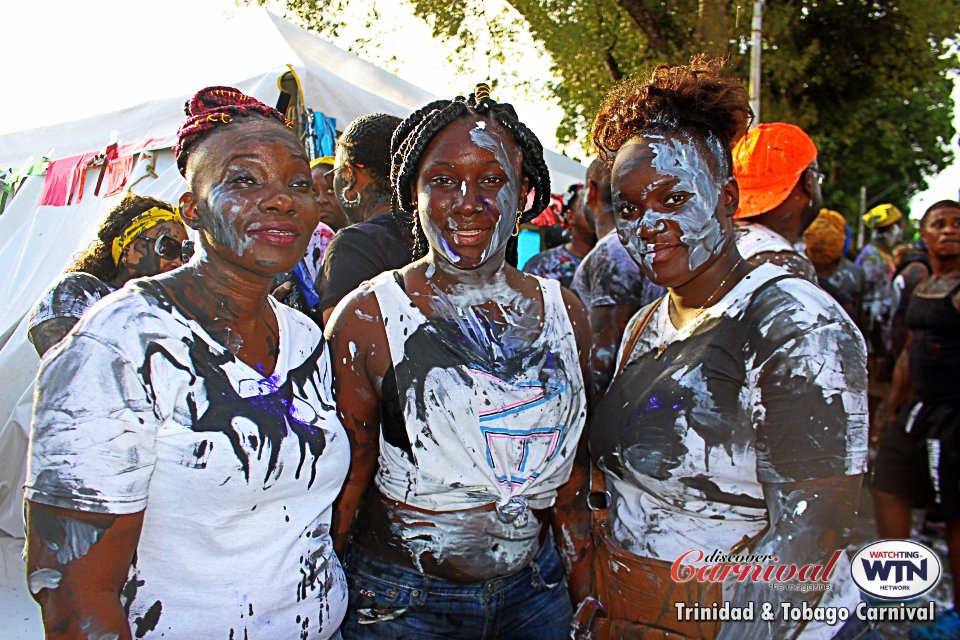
[(699, 311)]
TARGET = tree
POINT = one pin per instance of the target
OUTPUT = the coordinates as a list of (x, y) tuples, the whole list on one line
[(868, 79)]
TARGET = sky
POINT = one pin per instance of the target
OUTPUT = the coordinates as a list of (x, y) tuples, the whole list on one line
[(64, 60)]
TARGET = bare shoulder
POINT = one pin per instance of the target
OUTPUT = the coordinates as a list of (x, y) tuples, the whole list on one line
[(356, 314)]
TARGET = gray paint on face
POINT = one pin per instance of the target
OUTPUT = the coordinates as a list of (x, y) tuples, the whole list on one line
[(509, 194), (678, 157)]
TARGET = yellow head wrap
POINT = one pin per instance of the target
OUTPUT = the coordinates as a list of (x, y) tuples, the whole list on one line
[(141, 223), (825, 237), (882, 215), (324, 160)]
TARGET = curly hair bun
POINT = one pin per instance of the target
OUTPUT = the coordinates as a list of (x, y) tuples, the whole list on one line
[(695, 98), (215, 107)]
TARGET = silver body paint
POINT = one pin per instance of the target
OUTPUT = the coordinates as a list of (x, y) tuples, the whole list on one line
[(221, 231), (44, 579), (507, 198), (476, 542), (78, 537), (700, 229)]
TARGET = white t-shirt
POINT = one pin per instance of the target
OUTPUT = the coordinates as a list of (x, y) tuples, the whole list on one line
[(139, 409)]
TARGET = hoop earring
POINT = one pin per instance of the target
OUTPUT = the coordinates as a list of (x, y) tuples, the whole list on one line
[(516, 229), (350, 202)]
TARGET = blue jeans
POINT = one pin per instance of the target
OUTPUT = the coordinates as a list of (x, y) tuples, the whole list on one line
[(390, 601)]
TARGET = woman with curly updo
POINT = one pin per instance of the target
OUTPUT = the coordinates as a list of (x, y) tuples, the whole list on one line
[(185, 449), (459, 380), (140, 237), (736, 423)]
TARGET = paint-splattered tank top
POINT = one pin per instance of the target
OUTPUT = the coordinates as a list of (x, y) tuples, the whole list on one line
[(486, 422)]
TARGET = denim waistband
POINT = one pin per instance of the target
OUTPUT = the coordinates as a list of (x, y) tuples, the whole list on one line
[(358, 560)]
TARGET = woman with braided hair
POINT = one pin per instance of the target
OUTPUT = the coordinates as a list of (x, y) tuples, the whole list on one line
[(185, 449), (459, 381), (736, 422)]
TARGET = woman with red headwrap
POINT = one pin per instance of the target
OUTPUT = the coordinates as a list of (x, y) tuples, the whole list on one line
[(185, 448)]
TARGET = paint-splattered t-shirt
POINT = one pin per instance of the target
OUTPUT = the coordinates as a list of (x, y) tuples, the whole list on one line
[(487, 421), (557, 263), (846, 285), (767, 386), (753, 239), (138, 409), (878, 299), (69, 297), (609, 276)]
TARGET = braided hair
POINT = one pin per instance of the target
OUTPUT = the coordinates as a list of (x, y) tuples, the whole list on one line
[(366, 141), (212, 108), (414, 134)]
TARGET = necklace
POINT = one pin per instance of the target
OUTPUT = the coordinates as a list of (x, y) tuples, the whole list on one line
[(700, 310)]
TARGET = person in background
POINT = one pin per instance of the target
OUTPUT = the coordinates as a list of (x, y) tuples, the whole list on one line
[(918, 458), (839, 277), (610, 284), (331, 214), (776, 167), (377, 240), (912, 266), (876, 259), (460, 382), (185, 450), (737, 419), (561, 262), (140, 237)]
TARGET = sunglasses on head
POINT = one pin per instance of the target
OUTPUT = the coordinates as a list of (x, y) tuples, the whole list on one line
[(169, 248)]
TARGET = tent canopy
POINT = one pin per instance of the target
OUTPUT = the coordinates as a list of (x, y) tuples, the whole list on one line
[(334, 81)]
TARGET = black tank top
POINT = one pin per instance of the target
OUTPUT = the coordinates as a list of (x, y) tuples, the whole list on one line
[(935, 350)]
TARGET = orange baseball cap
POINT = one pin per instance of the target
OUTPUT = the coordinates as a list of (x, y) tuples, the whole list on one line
[(767, 162)]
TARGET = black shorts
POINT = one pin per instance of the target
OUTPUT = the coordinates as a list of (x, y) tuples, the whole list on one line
[(919, 457)]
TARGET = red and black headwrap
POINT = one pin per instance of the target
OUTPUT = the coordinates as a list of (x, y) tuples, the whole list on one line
[(215, 107)]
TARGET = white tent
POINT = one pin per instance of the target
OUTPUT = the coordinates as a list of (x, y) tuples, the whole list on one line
[(38, 242)]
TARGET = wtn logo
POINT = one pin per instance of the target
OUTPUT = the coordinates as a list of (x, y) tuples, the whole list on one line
[(895, 569), (903, 570)]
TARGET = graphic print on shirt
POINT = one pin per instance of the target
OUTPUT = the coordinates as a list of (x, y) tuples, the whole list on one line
[(275, 413), (491, 415), (533, 447)]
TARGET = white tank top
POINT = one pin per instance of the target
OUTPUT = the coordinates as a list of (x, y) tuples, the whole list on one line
[(496, 425)]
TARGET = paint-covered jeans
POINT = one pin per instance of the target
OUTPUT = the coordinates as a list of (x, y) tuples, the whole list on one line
[(390, 601)]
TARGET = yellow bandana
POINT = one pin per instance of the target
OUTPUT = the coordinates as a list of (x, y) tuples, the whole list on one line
[(322, 160), (143, 222)]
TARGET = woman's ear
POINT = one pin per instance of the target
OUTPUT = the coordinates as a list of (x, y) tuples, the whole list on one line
[(730, 195), (189, 212), (524, 194)]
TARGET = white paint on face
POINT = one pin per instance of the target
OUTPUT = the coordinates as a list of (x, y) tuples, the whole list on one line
[(463, 188), (801, 507), (680, 159), (434, 238), (509, 194), (353, 350)]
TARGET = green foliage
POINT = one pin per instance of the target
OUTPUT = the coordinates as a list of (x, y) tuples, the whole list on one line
[(868, 79)]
